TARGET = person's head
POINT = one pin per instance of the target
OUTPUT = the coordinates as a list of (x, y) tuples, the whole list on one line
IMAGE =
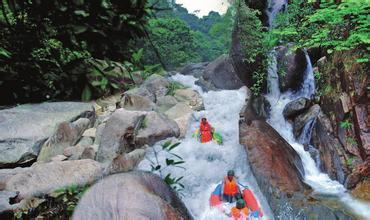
[(240, 204), (204, 120), (230, 174)]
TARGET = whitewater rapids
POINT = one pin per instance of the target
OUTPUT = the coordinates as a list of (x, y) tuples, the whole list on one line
[(207, 164)]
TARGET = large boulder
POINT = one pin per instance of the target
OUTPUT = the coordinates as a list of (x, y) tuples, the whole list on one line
[(126, 130), (67, 134), (23, 129), (156, 127), (181, 114), (154, 87), (294, 66), (194, 69), (135, 195), (118, 134), (301, 120), (190, 97), (126, 162), (264, 145), (296, 107), (137, 103), (332, 154), (43, 178), (279, 174), (222, 75), (166, 102)]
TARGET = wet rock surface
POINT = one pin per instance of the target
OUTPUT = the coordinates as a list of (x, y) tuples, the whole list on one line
[(301, 120), (332, 154), (222, 75), (135, 195), (279, 173), (296, 107), (293, 64)]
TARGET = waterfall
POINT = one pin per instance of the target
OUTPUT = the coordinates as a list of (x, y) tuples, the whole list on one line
[(273, 78), (308, 85), (206, 164), (320, 182), (274, 7)]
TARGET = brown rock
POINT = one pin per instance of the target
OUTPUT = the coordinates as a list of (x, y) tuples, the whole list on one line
[(275, 160), (66, 135), (303, 119), (362, 190), (294, 65), (88, 153), (360, 172), (332, 153), (361, 128)]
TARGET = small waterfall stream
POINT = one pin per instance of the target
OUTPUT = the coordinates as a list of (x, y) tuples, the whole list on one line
[(320, 182), (207, 164)]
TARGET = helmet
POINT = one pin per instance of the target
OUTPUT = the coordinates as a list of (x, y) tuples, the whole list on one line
[(240, 204), (230, 173)]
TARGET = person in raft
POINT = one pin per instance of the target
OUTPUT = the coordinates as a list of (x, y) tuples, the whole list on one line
[(240, 211), (230, 188), (205, 131)]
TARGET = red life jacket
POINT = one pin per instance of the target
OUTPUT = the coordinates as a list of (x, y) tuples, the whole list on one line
[(205, 132), (230, 187)]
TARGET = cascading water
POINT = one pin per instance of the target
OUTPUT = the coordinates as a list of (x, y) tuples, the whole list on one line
[(320, 182), (274, 7), (207, 164)]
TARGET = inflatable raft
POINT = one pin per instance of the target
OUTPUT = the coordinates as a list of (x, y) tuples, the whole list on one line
[(248, 196)]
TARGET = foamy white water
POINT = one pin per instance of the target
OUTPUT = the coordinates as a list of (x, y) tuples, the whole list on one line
[(320, 182), (207, 164)]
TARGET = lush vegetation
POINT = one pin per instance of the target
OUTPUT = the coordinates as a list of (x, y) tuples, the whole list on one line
[(177, 37), (331, 25), (63, 50), (334, 25), (46, 45), (255, 44)]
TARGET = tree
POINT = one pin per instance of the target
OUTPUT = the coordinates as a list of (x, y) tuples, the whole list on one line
[(47, 44), (174, 40)]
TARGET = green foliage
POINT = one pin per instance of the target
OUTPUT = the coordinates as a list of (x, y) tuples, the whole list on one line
[(317, 75), (45, 45), (173, 86), (350, 160), (352, 140), (335, 25), (70, 196), (210, 36), (59, 204), (345, 124), (174, 41), (343, 26), (255, 54), (172, 160)]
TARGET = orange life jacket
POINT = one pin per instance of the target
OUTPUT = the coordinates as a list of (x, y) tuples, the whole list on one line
[(230, 187), (239, 214)]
